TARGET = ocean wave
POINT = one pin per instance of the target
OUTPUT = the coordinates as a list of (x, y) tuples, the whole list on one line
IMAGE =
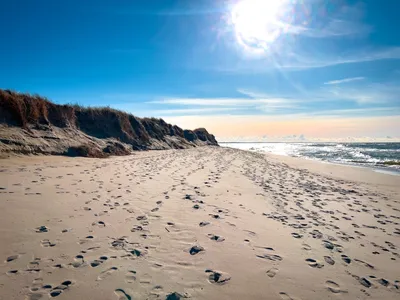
[(368, 154)]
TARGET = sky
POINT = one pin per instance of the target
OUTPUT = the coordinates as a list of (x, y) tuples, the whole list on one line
[(258, 70)]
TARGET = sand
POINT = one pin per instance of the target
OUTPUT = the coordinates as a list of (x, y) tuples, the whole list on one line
[(204, 223)]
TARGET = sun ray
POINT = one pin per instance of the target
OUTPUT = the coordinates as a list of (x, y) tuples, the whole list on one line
[(258, 23)]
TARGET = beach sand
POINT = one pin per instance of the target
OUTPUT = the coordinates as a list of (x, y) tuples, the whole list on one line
[(204, 223)]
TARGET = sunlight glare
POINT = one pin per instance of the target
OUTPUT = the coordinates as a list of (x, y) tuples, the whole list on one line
[(258, 23)]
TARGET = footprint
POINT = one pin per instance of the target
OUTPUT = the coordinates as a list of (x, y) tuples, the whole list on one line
[(196, 249), (96, 263), (285, 296), (55, 293), (364, 263), (218, 277), (329, 260), (383, 282), (145, 279), (47, 243), (313, 263), (36, 284), (107, 273), (334, 287), (130, 276), (216, 238), (272, 272), (365, 282), (296, 235), (137, 228), (60, 288), (12, 258), (122, 295), (204, 223), (99, 224), (346, 259), (272, 257), (251, 233), (34, 296), (175, 296), (79, 261)]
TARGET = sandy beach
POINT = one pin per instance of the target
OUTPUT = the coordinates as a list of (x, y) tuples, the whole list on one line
[(201, 223)]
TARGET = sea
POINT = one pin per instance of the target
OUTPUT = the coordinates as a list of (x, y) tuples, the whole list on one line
[(380, 156)]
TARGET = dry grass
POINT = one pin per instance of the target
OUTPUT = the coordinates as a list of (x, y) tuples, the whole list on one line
[(23, 109), (33, 112)]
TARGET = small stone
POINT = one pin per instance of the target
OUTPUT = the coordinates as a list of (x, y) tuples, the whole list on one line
[(42, 229), (136, 252)]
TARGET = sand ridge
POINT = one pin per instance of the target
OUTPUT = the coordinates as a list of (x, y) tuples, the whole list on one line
[(203, 223)]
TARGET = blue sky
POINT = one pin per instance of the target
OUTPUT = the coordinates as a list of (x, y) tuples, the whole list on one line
[(266, 69)]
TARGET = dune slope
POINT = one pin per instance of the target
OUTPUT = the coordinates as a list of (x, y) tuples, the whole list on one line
[(33, 124)]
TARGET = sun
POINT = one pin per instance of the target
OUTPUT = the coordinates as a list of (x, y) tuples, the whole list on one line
[(258, 23)]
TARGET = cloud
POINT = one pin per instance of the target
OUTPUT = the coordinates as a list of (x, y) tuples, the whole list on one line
[(362, 56), (336, 28), (353, 112), (242, 102), (368, 94), (372, 99), (216, 113), (191, 111), (300, 60), (345, 80)]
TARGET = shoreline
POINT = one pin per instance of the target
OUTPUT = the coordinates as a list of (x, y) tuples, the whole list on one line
[(377, 168), (343, 171), (203, 223)]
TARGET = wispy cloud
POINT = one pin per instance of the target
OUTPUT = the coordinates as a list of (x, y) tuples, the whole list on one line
[(242, 102), (307, 62), (321, 114), (345, 80), (368, 94), (290, 60), (336, 28), (373, 97), (191, 111), (343, 22)]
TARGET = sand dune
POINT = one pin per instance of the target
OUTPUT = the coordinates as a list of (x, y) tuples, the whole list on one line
[(202, 223)]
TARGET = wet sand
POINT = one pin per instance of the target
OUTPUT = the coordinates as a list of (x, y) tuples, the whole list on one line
[(204, 223)]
